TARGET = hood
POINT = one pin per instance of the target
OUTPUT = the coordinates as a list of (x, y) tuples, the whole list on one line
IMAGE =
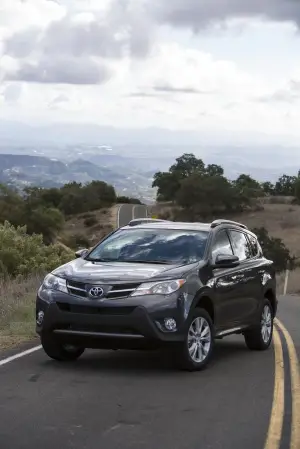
[(86, 271)]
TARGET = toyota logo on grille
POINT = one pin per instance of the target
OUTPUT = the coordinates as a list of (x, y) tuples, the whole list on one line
[(96, 292)]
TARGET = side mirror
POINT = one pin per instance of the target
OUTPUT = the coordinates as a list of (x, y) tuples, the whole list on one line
[(226, 261), (81, 253)]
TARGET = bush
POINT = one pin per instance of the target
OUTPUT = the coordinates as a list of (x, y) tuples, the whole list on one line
[(76, 241), (90, 221), (274, 249), (127, 200), (23, 254)]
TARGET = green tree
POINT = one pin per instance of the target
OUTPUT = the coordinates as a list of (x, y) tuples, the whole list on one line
[(285, 185), (214, 170), (167, 185), (248, 186), (186, 165), (297, 189), (268, 188), (275, 249), (205, 195)]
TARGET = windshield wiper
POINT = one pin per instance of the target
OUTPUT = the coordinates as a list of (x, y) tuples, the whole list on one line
[(159, 262), (89, 259)]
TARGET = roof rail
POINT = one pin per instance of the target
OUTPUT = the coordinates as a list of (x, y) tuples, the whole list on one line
[(138, 221), (220, 221)]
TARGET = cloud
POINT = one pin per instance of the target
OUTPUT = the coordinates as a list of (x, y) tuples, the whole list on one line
[(168, 88), (12, 93), (200, 14), (290, 93), (60, 71), (82, 38)]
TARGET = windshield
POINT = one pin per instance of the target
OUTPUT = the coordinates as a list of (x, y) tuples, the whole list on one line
[(152, 246)]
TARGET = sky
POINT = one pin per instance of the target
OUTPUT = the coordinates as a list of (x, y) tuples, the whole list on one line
[(219, 66)]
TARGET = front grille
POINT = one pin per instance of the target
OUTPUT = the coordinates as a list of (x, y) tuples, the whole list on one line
[(112, 291), (77, 289), (121, 290)]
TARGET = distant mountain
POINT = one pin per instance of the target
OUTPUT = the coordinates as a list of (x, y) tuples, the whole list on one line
[(24, 170)]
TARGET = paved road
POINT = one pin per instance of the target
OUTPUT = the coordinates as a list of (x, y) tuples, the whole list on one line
[(128, 400), (128, 212)]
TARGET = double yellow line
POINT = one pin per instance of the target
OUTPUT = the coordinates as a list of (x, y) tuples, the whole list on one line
[(277, 412)]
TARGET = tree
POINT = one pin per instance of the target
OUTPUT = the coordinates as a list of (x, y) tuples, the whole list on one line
[(274, 249), (167, 185), (186, 165), (214, 170), (297, 189), (285, 185), (268, 188), (205, 195), (248, 186)]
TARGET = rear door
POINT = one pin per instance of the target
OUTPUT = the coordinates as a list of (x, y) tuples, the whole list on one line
[(248, 277)]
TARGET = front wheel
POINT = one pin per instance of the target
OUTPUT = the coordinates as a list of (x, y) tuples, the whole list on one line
[(259, 338), (194, 353), (60, 351)]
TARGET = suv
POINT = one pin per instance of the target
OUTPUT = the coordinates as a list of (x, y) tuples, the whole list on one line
[(160, 284)]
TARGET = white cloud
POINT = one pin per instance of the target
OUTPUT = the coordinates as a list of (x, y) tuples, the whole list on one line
[(106, 62)]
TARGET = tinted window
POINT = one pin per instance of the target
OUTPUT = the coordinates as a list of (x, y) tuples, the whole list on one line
[(221, 245), (254, 245), (157, 245), (241, 245)]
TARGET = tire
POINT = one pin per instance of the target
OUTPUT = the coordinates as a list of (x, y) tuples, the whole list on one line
[(256, 338), (187, 358), (59, 351)]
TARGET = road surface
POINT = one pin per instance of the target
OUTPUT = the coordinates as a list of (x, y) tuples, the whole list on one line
[(128, 400), (129, 212)]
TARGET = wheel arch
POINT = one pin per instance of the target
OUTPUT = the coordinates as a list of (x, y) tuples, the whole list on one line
[(271, 296), (206, 303)]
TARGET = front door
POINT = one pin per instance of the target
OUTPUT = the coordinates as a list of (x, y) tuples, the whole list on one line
[(226, 284)]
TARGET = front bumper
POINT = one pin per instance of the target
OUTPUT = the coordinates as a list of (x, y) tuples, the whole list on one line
[(124, 323)]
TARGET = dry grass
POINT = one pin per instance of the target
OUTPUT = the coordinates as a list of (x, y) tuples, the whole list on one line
[(17, 320), (281, 220), (104, 222), (293, 287)]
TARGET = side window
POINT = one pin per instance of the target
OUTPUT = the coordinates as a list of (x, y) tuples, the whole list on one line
[(241, 245), (254, 245), (221, 245)]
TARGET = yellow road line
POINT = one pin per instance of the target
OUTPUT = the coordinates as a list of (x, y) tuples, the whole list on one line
[(295, 380), (277, 412)]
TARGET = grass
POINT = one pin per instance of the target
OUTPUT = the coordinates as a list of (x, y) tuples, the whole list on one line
[(87, 229), (17, 312), (293, 287)]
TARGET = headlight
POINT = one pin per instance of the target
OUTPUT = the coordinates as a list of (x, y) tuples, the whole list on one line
[(159, 288), (52, 282)]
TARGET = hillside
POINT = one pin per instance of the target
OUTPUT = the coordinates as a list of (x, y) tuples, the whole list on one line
[(20, 170), (85, 230)]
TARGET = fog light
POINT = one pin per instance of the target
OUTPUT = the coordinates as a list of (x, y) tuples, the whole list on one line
[(40, 318), (170, 324)]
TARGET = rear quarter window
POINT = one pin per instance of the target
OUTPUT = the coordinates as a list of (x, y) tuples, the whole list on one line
[(255, 246)]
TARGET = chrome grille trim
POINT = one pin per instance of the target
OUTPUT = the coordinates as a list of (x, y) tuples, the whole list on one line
[(115, 291)]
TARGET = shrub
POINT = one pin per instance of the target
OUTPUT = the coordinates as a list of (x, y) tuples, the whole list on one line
[(23, 254), (274, 249), (90, 221)]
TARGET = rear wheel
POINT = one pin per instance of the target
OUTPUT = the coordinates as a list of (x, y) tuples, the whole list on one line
[(58, 350), (259, 338), (194, 353)]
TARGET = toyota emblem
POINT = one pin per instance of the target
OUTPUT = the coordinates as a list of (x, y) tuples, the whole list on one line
[(96, 292)]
